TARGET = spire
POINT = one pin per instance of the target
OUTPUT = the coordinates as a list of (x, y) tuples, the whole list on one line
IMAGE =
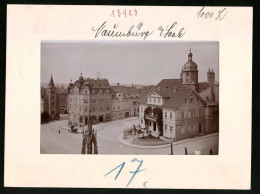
[(190, 56), (51, 83)]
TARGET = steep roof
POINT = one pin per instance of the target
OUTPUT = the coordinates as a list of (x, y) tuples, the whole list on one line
[(177, 98), (99, 83), (203, 86), (206, 94), (169, 83), (51, 83), (164, 92)]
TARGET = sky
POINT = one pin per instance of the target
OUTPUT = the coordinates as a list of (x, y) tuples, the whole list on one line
[(125, 62)]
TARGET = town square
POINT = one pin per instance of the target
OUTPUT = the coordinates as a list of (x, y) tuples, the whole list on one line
[(175, 116)]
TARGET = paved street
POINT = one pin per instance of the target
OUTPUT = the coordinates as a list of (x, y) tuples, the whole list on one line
[(66, 142)]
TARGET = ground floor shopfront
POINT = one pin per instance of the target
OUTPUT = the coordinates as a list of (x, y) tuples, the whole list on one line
[(82, 120), (178, 130)]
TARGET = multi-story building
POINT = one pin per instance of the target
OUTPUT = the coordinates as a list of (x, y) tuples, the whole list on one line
[(49, 100), (62, 98), (121, 106), (178, 111), (125, 102), (89, 95)]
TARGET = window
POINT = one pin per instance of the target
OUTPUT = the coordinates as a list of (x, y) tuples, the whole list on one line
[(191, 100), (70, 99), (81, 119), (170, 115), (107, 107), (85, 101), (165, 128), (165, 114), (142, 121), (86, 109), (182, 114), (118, 107), (154, 100), (141, 109), (101, 108), (101, 100), (149, 99), (150, 124), (159, 100), (93, 109), (187, 73), (171, 129), (80, 109), (200, 113), (192, 113), (192, 128), (75, 108)]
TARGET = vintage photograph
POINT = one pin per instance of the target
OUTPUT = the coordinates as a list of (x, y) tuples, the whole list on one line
[(129, 97)]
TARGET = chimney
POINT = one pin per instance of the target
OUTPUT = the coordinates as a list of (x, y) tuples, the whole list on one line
[(158, 88), (117, 84), (174, 89)]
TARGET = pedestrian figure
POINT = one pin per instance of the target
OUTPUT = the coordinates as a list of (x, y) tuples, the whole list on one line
[(186, 152), (59, 130)]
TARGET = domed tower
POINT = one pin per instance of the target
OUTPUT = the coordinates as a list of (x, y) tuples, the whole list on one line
[(190, 74), (52, 99)]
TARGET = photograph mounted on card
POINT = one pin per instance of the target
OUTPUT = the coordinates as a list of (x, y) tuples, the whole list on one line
[(161, 102), (110, 95)]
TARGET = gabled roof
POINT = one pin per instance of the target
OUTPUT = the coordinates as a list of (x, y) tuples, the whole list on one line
[(169, 83), (178, 98), (128, 91), (164, 92)]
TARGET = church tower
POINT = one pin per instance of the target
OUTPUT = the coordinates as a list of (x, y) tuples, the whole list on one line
[(189, 74), (211, 77), (52, 99)]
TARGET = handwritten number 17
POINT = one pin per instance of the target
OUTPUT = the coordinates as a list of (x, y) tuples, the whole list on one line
[(121, 166)]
